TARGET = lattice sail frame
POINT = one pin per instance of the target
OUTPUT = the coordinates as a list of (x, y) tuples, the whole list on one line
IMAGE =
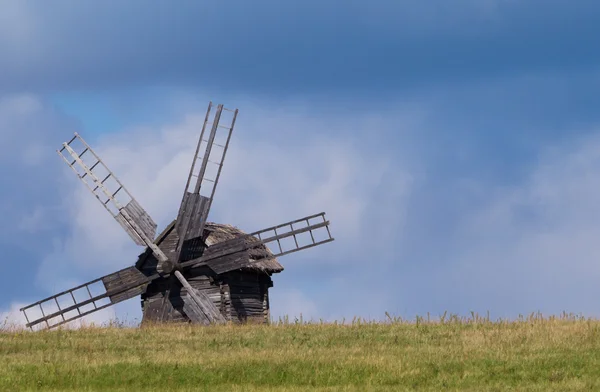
[(130, 214), (202, 182)]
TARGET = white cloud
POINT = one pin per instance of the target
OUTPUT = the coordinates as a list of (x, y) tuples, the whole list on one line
[(293, 304), (19, 105), (13, 112), (12, 318), (535, 246), (31, 221), (30, 191)]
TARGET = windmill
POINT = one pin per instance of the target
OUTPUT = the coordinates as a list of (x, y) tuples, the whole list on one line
[(194, 271)]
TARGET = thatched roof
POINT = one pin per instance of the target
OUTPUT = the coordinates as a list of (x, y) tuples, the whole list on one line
[(219, 232)]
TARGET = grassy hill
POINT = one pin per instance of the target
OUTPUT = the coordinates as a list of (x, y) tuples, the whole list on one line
[(531, 354)]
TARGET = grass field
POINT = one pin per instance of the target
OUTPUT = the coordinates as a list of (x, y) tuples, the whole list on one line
[(531, 354)]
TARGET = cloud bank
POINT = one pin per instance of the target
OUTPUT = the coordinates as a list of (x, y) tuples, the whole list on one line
[(373, 47), (268, 178), (407, 241)]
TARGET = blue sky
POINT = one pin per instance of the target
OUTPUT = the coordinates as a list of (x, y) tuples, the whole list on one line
[(454, 145)]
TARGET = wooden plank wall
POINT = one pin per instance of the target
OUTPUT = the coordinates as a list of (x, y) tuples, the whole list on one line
[(241, 295), (248, 292)]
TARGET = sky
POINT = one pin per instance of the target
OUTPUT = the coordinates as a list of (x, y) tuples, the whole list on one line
[(455, 146)]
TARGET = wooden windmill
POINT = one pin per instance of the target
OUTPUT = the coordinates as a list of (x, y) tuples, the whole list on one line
[(194, 271)]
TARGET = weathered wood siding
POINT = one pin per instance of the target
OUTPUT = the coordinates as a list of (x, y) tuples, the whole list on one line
[(248, 296), (157, 308), (241, 295)]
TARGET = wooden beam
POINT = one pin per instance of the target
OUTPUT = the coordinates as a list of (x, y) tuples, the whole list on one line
[(200, 304)]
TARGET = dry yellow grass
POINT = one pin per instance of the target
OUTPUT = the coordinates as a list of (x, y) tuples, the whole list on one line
[(532, 354)]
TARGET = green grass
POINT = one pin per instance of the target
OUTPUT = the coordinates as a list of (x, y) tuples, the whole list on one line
[(531, 354)]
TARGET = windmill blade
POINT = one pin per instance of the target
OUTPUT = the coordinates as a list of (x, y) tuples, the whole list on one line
[(134, 219), (112, 194), (233, 254), (193, 311), (319, 234), (198, 307), (203, 178), (80, 301)]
